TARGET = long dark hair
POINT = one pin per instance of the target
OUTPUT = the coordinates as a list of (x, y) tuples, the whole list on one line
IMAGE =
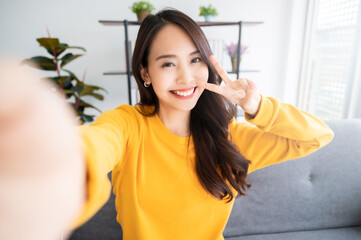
[(218, 162)]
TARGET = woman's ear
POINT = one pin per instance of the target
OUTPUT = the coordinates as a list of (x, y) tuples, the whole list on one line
[(145, 75)]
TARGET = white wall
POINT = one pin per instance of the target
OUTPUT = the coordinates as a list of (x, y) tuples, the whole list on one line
[(76, 23)]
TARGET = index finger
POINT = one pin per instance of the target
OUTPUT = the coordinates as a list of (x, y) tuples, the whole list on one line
[(211, 87), (220, 70)]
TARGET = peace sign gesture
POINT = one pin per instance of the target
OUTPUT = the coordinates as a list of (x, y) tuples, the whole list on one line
[(241, 91)]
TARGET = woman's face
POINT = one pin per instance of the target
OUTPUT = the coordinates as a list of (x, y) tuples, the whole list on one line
[(174, 65)]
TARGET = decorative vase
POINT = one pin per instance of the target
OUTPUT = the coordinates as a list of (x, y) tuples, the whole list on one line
[(234, 64), (142, 15), (208, 18)]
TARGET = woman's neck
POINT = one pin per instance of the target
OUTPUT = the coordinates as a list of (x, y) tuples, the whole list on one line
[(176, 121)]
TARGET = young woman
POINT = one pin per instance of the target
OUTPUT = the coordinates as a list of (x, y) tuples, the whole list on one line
[(179, 158)]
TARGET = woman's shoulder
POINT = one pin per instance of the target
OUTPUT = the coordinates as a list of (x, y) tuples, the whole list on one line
[(122, 113), (137, 111), (127, 113)]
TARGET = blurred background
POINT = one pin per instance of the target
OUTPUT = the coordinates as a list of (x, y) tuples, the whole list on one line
[(303, 52)]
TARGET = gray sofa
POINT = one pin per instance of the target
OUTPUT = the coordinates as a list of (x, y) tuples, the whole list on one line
[(317, 197)]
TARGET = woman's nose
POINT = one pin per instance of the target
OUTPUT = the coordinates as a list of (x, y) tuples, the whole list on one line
[(185, 75)]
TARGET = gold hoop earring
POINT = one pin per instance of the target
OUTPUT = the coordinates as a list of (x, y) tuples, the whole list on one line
[(146, 84)]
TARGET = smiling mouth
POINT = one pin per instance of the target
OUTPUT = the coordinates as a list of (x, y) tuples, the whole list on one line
[(184, 92)]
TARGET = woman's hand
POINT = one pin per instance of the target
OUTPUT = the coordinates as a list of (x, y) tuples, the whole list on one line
[(241, 91), (42, 170)]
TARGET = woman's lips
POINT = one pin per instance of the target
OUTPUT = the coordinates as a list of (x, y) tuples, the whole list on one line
[(184, 93)]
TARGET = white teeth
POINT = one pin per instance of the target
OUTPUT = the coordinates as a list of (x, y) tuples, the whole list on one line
[(184, 94)]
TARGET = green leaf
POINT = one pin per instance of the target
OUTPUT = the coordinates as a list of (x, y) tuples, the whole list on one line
[(97, 96), (87, 118), (30, 63), (71, 74), (78, 89), (48, 42), (68, 58), (59, 49), (67, 83), (58, 80), (74, 47), (89, 89), (68, 91), (84, 104), (41, 62)]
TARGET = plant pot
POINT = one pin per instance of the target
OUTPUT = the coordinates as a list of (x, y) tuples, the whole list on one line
[(234, 64), (142, 15), (208, 18)]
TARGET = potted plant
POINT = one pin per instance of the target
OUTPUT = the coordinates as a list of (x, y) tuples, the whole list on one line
[(142, 9), (207, 12), (232, 52), (72, 87)]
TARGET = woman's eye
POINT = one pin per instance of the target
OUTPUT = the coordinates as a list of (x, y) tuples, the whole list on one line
[(168, 64), (197, 59)]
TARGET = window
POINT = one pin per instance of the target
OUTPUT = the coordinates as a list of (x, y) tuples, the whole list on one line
[(330, 80)]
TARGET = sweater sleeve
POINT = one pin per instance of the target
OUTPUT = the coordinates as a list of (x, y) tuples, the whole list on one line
[(278, 132), (104, 143)]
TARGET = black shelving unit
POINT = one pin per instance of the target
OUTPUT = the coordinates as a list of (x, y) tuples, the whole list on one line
[(127, 23)]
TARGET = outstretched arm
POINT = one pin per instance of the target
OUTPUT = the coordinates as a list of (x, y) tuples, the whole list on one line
[(42, 170), (103, 143), (279, 132)]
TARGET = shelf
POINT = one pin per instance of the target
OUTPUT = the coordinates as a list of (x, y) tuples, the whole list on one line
[(125, 73), (244, 71), (118, 22), (202, 24), (244, 24)]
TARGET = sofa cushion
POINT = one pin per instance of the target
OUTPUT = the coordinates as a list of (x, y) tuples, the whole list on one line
[(351, 233), (319, 191)]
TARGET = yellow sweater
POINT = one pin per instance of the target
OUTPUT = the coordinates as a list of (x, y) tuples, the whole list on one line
[(158, 195)]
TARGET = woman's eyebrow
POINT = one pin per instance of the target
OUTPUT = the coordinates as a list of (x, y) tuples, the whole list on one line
[(194, 52), (165, 56), (173, 56)]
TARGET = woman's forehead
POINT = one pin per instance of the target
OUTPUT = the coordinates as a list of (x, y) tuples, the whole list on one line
[(171, 38)]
